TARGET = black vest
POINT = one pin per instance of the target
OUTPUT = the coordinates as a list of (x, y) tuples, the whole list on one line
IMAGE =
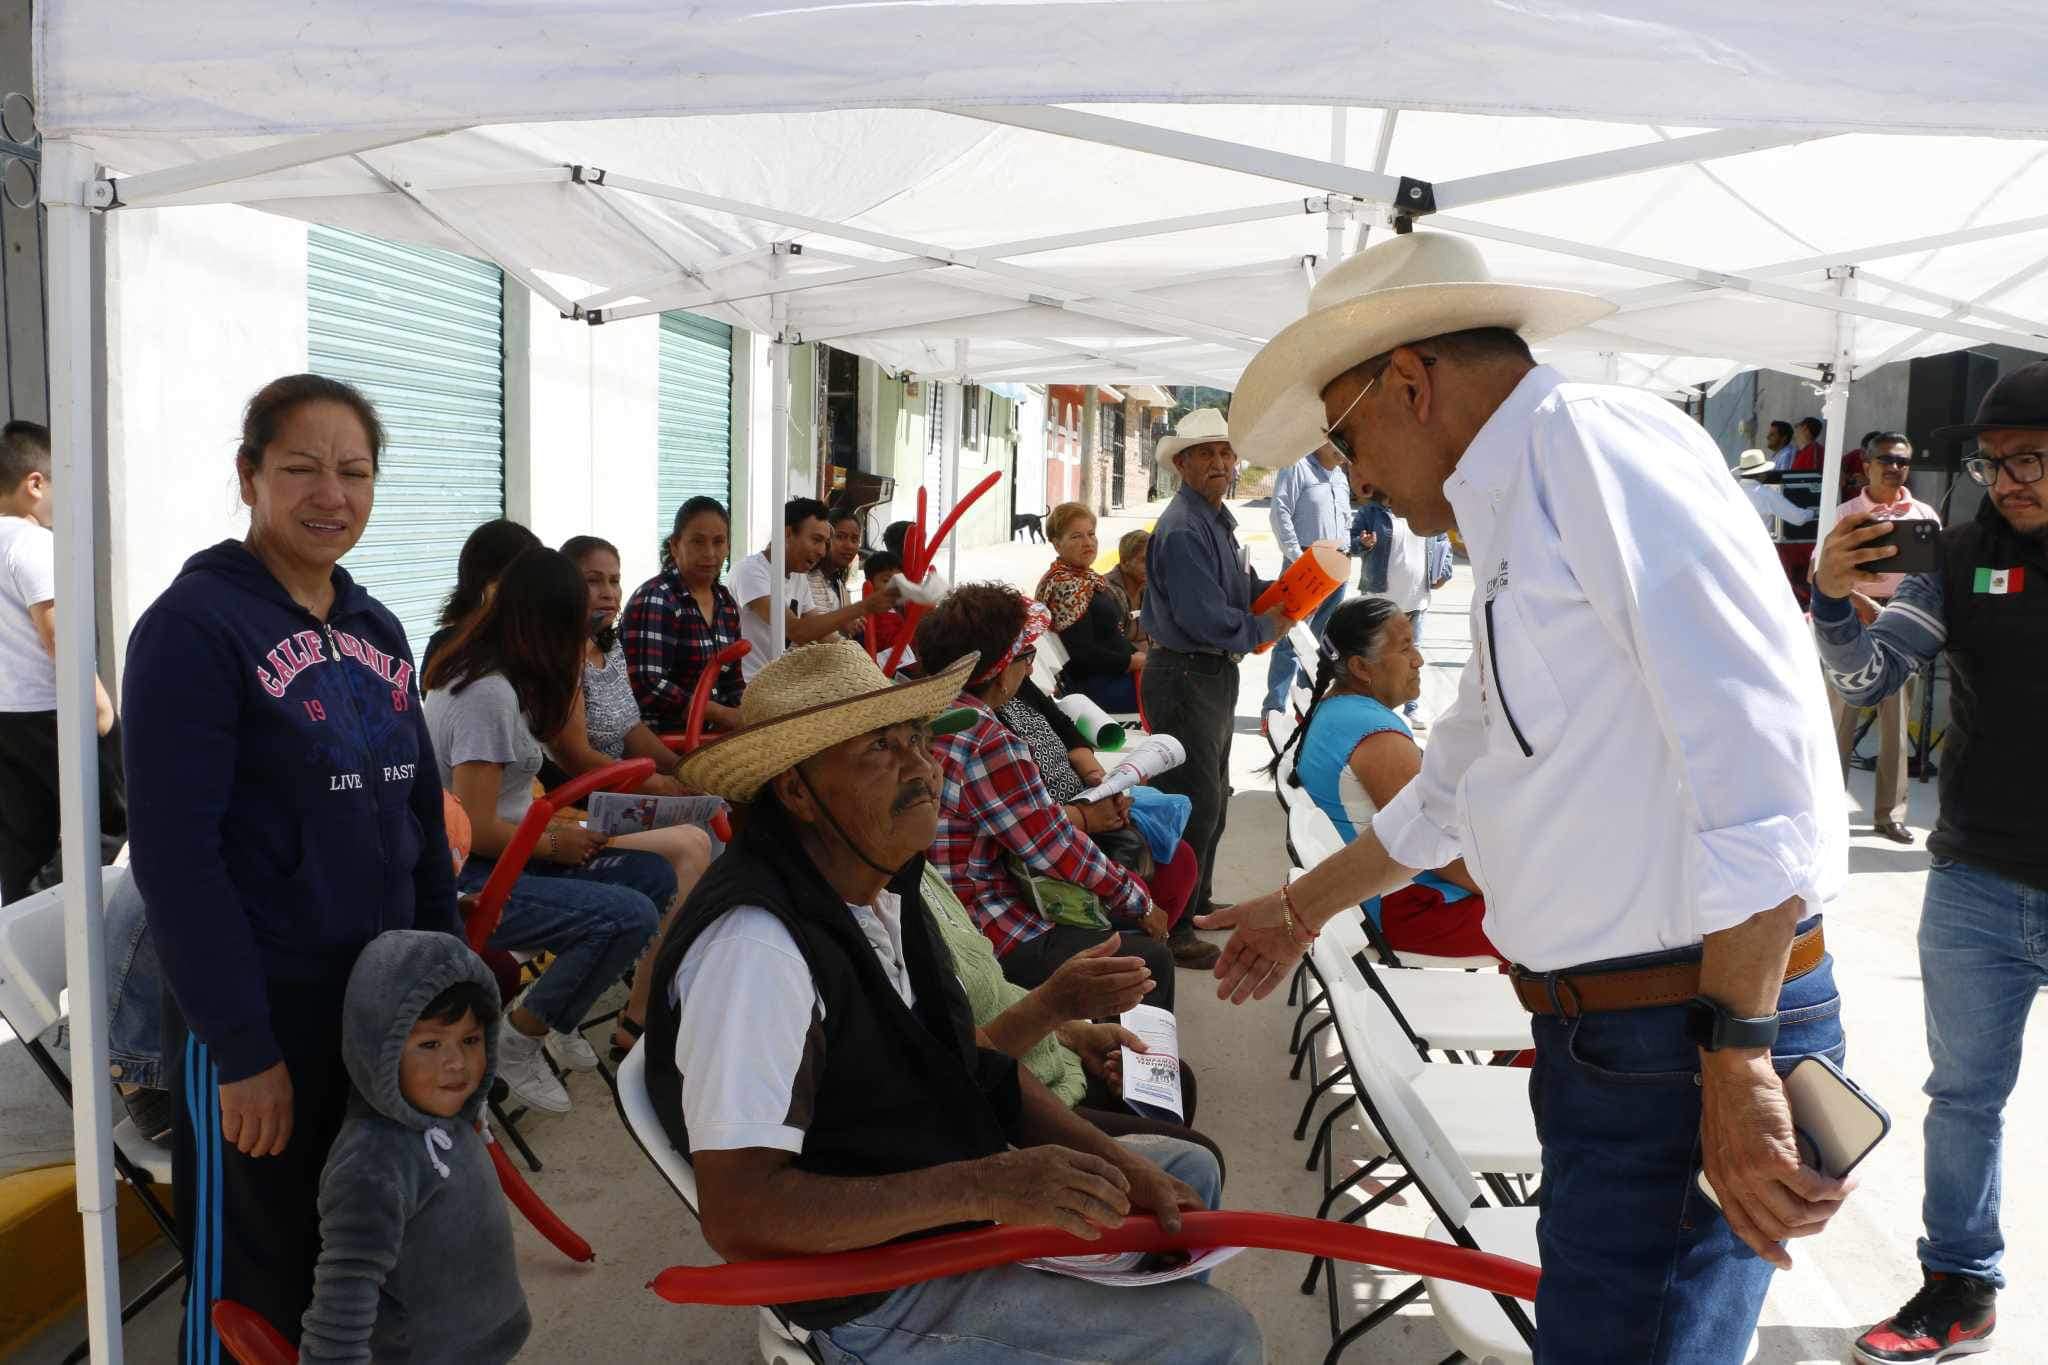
[(1994, 759), (898, 1089)]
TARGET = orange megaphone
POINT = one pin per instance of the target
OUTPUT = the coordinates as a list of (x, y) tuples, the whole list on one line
[(1308, 582)]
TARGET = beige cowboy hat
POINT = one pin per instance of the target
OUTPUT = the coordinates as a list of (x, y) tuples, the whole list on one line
[(1199, 427), (1405, 289), (1753, 461), (802, 704)]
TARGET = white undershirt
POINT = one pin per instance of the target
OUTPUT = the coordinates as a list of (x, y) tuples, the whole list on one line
[(750, 1016), (752, 578)]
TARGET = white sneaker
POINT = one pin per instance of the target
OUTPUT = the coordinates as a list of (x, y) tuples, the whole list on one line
[(571, 1051), (525, 1072)]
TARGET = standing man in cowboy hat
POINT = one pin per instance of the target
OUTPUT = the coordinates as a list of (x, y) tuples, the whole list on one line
[(1198, 611), (1638, 771), (1984, 924), (811, 1051)]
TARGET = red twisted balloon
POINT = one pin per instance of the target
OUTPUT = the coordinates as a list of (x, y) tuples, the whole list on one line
[(876, 1269), (918, 554), (490, 902)]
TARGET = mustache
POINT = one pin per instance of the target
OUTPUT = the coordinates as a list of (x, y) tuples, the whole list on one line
[(909, 794)]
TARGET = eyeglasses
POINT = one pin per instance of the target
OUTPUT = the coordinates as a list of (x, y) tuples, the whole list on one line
[(1335, 437), (2023, 465), (1896, 461)]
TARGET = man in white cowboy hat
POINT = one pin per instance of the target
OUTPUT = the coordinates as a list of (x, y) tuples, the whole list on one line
[(1198, 611), (1765, 495), (1638, 770), (812, 1053)]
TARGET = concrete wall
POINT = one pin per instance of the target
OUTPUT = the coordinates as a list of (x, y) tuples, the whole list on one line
[(581, 428), (204, 306)]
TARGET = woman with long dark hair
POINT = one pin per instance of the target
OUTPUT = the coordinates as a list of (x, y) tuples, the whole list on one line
[(283, 814), (513, 672), (678, 619), (490, 547), (1356, 755)]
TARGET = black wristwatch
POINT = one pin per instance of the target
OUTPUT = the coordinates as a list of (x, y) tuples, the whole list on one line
[(1712, 1028)]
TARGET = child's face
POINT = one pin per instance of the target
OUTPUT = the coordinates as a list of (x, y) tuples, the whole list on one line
[(442, 1065)]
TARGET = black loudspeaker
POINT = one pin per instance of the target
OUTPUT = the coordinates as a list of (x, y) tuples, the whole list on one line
[(1942, 390)]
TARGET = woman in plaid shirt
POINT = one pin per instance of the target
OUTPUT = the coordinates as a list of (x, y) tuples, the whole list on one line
[(997, 816), (677, 620)]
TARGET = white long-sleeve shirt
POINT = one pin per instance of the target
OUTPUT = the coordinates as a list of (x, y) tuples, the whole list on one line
[(1641, 752)]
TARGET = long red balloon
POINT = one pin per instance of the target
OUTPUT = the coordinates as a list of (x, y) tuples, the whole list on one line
[(490, 902), (953, 517), (700, 696), (899, 1263), (925, 551), (250, 1337), (544, 1219)]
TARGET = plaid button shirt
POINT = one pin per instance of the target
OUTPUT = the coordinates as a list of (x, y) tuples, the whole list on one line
[(668, 642), (993, 803)]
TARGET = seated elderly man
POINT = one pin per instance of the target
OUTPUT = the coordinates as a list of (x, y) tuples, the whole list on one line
[(812, 1053)]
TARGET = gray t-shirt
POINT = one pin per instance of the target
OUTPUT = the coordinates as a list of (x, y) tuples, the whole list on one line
[(483, 724)]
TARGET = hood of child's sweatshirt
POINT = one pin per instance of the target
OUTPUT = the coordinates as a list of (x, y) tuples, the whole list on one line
[(395, 979)]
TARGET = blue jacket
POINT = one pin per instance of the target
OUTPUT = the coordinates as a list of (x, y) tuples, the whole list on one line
[(283, 798)]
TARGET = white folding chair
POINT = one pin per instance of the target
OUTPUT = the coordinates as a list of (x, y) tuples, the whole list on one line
[(781, 1342), (1440, 1124), (32, 1001)]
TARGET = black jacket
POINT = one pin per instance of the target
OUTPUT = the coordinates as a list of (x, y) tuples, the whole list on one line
[(1995, 756), (899, 1089)]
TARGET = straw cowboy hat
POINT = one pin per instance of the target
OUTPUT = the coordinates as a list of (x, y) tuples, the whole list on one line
[(1402, 290), (1199, 427), (802, 704), (1753, 462)]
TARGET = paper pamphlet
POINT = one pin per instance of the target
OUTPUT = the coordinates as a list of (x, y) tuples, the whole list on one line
[(614, 813), (1140, 763), (1124, 1268), (1152, 1077)]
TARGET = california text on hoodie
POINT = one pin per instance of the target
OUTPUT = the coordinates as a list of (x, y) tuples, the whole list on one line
[(282, 790), (416, 1259)]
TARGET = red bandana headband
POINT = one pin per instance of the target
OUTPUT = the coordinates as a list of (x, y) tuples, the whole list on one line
[(1037, 621)]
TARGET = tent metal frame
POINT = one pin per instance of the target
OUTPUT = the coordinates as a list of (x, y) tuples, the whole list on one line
[(1162, 333)]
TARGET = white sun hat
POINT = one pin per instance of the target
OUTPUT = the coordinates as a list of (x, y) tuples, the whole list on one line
[(1405, 289), (1199, 427)]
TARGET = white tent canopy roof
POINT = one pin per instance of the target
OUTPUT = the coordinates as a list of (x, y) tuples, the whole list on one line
[(1015, 228)]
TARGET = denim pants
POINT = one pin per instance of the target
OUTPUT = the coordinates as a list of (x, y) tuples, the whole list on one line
[(1280, 672), (135, 991), (1009, 1315), (1638, 1266), (1983, 959), (595, 919)]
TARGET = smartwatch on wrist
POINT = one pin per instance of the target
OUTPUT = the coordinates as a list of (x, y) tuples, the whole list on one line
[(1712, 1027)]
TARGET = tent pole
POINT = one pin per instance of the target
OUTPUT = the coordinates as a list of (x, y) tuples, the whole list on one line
[(950, 492), (1333, 230), (1835, 406), (778, 474), (78, 471)]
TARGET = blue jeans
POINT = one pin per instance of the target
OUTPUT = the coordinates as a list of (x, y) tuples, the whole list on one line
[(1983, 958), (1009, 1315), (135, 991), (595, 919), (1116, 694), (1638, 1265), (1280, 672)]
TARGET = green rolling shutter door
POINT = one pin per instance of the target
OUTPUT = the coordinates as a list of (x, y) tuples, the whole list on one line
[(696, 415), (421, 332)]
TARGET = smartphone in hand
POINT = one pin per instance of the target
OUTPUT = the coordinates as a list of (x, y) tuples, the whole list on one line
[(1835, 1122), (1919, 545)]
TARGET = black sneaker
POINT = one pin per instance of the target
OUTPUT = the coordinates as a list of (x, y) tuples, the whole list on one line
[(1952, 1315)]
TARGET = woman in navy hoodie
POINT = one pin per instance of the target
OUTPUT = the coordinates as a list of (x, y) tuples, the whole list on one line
[(285, 811)]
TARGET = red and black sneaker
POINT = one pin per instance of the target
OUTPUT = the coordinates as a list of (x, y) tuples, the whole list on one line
[(1952, 1315)]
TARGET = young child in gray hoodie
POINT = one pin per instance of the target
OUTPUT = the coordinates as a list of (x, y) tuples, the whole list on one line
[(416, 1261)]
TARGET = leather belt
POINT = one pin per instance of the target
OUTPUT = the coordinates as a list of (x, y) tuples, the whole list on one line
[(1571, 992)]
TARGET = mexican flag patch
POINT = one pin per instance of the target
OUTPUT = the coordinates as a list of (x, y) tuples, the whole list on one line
[(1999, 582)]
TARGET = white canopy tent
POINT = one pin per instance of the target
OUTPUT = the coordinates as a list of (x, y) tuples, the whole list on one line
[(967, 190)]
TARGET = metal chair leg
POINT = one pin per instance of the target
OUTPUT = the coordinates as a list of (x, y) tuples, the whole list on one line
[(509, 1124), (1305, 1046), (1322, 1142), (1371, 1320), (1308, 1107)]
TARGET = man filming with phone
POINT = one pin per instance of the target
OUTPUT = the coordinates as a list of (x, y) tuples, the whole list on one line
[(1888, 458), (1982, 956)]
